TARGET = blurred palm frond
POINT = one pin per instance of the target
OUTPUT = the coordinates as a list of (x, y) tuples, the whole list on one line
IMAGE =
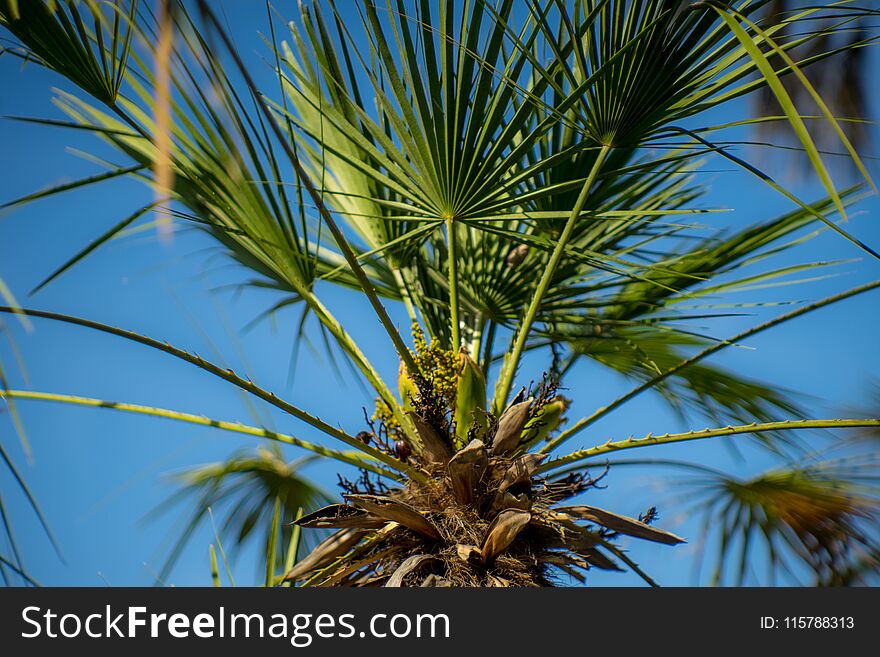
[(241, 493), (818, 517)]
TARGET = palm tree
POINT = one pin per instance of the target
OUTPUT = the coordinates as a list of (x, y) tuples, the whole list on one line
[(508, 172)]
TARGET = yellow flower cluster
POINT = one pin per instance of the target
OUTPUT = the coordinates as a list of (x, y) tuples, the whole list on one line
[(438, 366)]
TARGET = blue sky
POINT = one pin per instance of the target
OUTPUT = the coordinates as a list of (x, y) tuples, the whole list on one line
[(97, 473)]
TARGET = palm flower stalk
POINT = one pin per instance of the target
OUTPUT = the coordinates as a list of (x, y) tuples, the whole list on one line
[(520, 178)]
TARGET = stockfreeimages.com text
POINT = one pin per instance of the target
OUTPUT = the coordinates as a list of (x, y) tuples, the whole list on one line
[(300, 629)]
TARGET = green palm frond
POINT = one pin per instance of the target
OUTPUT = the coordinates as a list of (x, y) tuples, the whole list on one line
[(15, 561), (715, 393), (87, 42), (242, 493), (581, 424), (815, 519)]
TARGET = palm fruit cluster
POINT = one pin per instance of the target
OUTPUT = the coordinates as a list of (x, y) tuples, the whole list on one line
[(480, 513)]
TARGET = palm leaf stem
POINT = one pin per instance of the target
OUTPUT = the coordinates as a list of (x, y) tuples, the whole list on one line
[(231, 377), (651, 439), (452, 246), (19, 479), (508, 369), (236, 427), (6, 562)]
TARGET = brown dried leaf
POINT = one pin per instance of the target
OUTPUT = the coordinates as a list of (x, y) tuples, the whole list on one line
[(510, 428), (511, 501), (435, 448), (568, 564), (581, 541), (520, 396), (466, 470), (521, 470), (342, 576), (622, 524), (498, 582), (411, 564), (503, 530), (578, 540), (399, 512), (370, 580), (341, 516), (596, 558), (326, 551), (469, 553), (435, 581), (572, 572)]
